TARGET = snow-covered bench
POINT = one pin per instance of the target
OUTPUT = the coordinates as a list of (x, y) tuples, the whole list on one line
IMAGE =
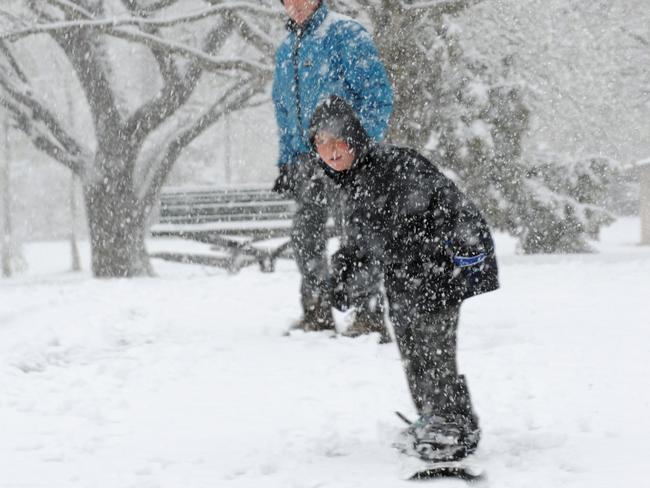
[(243, 225)]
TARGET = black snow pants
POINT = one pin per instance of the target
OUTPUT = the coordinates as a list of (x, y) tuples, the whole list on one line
[(427, 345)]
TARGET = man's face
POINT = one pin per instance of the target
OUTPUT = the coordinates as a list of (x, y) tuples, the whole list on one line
[(334, 152), (300, 10)]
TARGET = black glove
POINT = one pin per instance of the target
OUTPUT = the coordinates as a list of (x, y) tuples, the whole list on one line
[(285, 183), (338, 278), (348, 283)]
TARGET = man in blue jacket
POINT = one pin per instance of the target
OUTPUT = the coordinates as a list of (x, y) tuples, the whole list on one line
[(324, 54)]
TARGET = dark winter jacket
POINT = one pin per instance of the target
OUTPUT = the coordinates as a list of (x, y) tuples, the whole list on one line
[(432, 243), (331, 54)]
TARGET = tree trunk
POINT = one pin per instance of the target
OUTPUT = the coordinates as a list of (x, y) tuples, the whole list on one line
[(6, 243), (116, 224), (645, 204), (74, 248), (406, 63)]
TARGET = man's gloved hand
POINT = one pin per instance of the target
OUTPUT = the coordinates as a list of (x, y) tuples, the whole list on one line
[(285, 183)]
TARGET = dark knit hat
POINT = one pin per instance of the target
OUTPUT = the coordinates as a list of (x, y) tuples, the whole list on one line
[(335, 116)]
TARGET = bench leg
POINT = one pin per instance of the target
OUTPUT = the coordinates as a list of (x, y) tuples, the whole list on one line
[(267, 264), (235, 262), (267, 261)]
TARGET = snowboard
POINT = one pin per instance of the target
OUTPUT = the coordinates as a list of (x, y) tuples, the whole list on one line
[(414, 468)]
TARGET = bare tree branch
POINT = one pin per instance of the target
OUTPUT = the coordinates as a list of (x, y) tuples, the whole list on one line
[(207, 62), (105, 25), (72, 10), (40, 113), (439, 7), (4, 49), (348, 7), (234, 98), (75, 164), (255, 36), (38, 123), (12, 18), (159, 5), (108, 26), (637, 37), (173, 94), (92, 72), (41, 139), (176, 91), (37, 8), (146, 10)]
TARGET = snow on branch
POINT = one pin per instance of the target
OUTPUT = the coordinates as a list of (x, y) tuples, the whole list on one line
[(108, 24), (71, 8), (206, 61), (159, 5), (33, 118), (230, 7), (439, 7), (10, 16), (637, 37), (4, 49), (256, 36), (40, 136)]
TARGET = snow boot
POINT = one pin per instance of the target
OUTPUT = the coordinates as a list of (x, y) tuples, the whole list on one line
[(317, 317), (438, 439), (366, 322)]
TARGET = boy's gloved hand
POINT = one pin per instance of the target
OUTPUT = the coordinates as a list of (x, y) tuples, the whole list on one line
[(348, 280), (339, 276)]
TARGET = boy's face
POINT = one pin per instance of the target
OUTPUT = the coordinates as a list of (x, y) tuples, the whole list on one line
[(334, 152), (300, 10)]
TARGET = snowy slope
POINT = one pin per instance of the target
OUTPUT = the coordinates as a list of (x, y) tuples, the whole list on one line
[(186, 381)]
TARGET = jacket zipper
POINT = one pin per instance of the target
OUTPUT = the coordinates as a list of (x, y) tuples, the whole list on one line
[(296, 78)]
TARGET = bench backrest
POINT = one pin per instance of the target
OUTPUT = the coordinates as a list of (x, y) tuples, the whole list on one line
[(203, 205)]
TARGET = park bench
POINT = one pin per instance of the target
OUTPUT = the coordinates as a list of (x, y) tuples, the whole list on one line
[(243, 225)]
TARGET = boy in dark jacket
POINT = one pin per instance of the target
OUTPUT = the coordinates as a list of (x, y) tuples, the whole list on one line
[(435, 250)]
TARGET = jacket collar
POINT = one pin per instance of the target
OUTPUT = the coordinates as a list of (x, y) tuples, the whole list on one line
[(312, 23)]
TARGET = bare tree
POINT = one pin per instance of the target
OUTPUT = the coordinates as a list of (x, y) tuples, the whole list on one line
[(134, 147)]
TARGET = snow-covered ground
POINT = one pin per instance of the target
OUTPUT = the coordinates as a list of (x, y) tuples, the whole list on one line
[(186, 381)]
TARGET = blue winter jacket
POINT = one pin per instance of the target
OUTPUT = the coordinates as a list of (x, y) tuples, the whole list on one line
[(330, 55)]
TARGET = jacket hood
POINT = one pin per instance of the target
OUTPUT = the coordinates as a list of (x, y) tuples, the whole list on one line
[(335, 116)]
